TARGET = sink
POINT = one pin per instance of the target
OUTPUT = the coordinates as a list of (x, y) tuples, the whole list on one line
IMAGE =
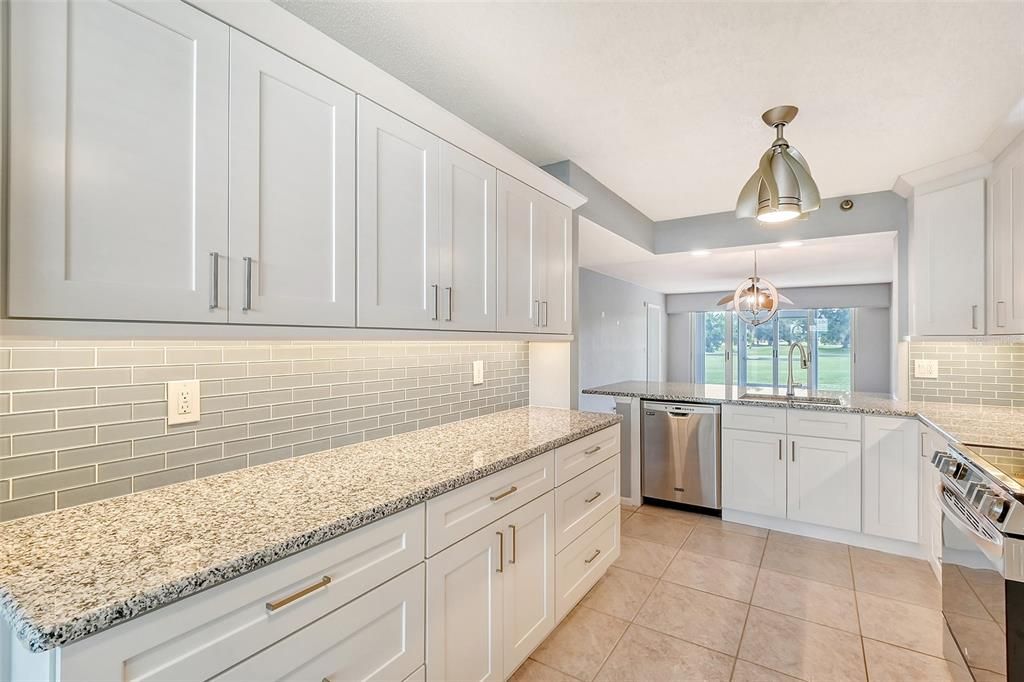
[(804, 399)]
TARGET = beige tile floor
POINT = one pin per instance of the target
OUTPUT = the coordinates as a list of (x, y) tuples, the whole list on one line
[(696, 598)]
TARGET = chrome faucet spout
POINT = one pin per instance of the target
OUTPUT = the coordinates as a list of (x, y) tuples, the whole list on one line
[(804, 363)]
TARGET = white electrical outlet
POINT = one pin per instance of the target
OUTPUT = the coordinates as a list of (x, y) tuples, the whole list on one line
[(926, 369), (182, 402), (478, 372)]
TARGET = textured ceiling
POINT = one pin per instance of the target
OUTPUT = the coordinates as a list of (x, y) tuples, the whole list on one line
[(662, 101), (860, 259)]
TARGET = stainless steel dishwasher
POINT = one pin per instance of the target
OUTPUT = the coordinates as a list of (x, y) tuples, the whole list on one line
[(680, 453)]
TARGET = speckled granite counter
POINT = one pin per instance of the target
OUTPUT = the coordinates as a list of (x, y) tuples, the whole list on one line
[(70, 573), (999, 427)]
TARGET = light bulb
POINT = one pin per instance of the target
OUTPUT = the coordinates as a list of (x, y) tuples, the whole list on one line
[(779, 216)]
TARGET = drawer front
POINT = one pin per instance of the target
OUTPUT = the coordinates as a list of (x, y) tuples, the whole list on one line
[(820, 424), (198, 637), (580, 565), (765, 419), (464, 511), (573, 459), (584, 500), (379, 636)]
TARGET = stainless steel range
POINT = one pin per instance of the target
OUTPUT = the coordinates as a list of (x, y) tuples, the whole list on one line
[(982, 562)]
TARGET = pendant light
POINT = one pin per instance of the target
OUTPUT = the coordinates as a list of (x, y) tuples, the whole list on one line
[(781, 188), (756, 300)]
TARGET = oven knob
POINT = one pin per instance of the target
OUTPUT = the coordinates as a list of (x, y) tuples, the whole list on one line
[(996, 509)]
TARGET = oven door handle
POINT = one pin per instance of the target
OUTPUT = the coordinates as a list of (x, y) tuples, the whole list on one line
[(991, 548)]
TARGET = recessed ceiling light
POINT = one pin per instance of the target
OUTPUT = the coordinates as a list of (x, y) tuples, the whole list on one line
[(790, 245), (700, 252)]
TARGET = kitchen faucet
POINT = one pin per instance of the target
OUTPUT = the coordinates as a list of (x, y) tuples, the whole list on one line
[(803, 365)]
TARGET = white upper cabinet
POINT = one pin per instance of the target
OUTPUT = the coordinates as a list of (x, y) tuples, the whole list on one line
[(1006, 243), (948, 270), (534, 260), (118, 161), (292, 189), (468, 274), (557, 301), (397, 245)]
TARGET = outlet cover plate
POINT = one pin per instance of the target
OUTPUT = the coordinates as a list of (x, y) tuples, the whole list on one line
[(478, 372), (182, 402), (926, 369)]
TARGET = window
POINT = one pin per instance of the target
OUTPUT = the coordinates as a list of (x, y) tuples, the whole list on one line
[(727, 350)]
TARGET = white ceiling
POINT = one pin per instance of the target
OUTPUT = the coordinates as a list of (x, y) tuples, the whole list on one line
[(661, 101), (859, 259)]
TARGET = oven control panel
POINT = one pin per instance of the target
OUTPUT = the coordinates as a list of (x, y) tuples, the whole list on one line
[(980, 491)]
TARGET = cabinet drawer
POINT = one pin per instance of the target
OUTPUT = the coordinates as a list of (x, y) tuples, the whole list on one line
[(584, 500), (820, 424), (379, 636), (199, 637), (573, 459), (580, 565), (457, 514), (765, 419)]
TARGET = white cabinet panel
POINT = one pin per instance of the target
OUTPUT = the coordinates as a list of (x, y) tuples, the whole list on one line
[(1006, 242), (467, 242), (529, 580), (579, 566), (292, 224), (585, 499), (947, 276), (397, 244), (574, 458), (823, 424), (118, 160), (556, 311), (464, 609), (377, 637), (754, 472), (823, 482), (891, 467), (519, 246), (765, 419)]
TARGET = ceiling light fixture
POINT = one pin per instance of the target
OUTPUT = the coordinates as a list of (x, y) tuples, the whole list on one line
[(781, 188), (790, 245), (756, 300), (700, 252)]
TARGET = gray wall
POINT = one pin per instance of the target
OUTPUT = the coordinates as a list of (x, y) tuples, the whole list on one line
[(846, 296), (680, 342), (872, 352), (612, 334), (605, 207)]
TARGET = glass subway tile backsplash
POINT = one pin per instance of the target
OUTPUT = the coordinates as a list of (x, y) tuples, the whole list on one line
[(970, 373), (86, 420)]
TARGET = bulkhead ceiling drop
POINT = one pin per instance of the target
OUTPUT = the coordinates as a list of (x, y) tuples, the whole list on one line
[(781, 188)]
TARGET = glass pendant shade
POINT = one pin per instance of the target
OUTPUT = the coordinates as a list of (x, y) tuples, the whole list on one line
[(781, 189)]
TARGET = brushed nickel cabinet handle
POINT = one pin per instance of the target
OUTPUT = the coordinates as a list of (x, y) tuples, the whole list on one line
[(495, 498), (593, 556), (214, 280), (501, 552), (536, 313), (594, 497), (974, 316), (513, 559), (436, 304), (590, 451), (780, 449), (792, 448), (999, 310), (275, 605), (545, 304), (247, 290), (448, 290)]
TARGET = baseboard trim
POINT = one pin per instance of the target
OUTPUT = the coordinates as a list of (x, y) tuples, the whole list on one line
[(888, 545)]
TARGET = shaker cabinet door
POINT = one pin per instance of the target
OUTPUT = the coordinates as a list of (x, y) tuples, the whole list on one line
[(823, 482), (1006, 243), (118, 161), (520, 249), (754, 472), (467, 248), (292, 224), (557, 269), (891, 470), (397, 233)]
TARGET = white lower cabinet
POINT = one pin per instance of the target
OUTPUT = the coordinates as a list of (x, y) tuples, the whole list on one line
[(377, 637), (754, 472), (490, 596), (891, 471), (823, 482), (579, 566)]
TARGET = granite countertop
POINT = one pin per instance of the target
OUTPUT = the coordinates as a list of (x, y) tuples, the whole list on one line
[(1000, 427), (70, 573)]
